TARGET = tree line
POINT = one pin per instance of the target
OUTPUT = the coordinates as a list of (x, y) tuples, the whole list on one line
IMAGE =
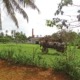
[(16, 37)]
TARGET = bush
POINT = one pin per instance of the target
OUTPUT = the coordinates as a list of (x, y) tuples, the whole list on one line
[(68, 65)]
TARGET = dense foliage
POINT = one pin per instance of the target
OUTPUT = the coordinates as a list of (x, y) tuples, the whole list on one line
[(17, 37), (67, 36)]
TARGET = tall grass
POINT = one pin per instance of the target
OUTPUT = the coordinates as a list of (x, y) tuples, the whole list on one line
[(21, 54), (70, 64), (29, 54)]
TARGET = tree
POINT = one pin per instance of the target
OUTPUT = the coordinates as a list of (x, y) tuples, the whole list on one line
[(67, 36), (60, 22), (6, 32), (16, 5), (1, 34), (20, 37), (65, 23), (12, 33), (0, 21)]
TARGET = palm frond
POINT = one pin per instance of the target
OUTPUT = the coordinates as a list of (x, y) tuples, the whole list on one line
[(31, 4), (10, 11), (12, 5), (16, 5)]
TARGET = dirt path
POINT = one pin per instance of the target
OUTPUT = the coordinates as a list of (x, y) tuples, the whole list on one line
[(13, 72)]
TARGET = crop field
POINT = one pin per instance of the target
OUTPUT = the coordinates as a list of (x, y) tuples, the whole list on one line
[(26, 54), (30, 54)]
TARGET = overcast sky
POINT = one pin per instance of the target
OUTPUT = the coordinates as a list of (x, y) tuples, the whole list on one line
[(36, 21)]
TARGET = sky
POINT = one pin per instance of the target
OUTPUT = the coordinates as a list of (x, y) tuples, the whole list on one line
[(37, 21)]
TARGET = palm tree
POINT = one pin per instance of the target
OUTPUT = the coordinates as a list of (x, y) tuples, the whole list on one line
[(16, 5), (6, 32), (0, 21), (12, 33)]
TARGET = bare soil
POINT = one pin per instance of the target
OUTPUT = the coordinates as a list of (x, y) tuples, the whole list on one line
[(15, 72)]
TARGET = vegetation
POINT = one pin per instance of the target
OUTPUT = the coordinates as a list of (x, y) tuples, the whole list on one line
[(29, 54), (16, 5), (62, 23), (69, 36), (69, 64), (16, 37)]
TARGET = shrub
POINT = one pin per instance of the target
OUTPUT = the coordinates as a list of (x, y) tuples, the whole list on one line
[(68, 64)]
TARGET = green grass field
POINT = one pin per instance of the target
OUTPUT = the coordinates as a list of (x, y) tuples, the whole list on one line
[(23, 51), (30, 54)]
